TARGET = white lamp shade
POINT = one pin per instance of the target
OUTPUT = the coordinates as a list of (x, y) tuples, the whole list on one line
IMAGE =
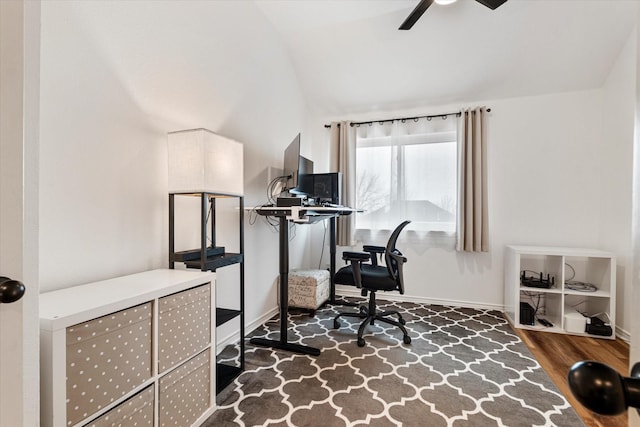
[(201, 161)]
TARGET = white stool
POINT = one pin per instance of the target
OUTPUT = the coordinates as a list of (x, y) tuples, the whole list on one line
[(308, 289)]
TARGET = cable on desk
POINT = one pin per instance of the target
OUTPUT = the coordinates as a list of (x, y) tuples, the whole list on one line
[(324, 240), (573, 270), (292, 228), (538, 296), (253, 216), (271, 222), (272, 186), (575, 285)]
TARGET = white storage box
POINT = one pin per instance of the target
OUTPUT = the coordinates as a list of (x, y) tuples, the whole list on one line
[(308, 288), (574, 322)]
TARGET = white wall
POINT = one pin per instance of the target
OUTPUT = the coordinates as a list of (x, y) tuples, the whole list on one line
[(546, 187), (116, 77), (634, 355), (617, 179)]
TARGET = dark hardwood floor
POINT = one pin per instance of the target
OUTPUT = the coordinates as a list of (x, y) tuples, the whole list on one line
[(557, 353)]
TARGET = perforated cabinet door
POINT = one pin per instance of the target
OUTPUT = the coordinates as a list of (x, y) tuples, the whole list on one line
[(185, 392), (136, 411), (184, 325), (107, 357)]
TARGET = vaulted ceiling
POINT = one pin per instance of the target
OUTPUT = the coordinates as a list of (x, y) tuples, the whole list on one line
[(347, 56), (350, 56)]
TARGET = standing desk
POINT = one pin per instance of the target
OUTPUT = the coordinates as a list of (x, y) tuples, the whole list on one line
[(298, 215)]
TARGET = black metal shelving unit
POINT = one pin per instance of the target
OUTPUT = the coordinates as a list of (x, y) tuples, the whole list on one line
[(210, 258)]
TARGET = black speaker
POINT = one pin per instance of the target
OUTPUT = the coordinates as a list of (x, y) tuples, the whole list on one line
[(527, 314)]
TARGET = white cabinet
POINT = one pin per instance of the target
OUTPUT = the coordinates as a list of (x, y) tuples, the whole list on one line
[(135, 350), (584, 286)]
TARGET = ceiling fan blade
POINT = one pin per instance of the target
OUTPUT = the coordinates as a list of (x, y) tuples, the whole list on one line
[(492, 4), (416, 14)]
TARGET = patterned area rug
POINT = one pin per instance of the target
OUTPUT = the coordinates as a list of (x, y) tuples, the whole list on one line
[(464, 367)]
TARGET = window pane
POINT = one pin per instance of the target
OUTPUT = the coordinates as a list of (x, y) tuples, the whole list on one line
[(430, 183), (398, 182), (373, 182)]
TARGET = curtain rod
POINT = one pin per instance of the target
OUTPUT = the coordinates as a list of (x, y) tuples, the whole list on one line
[(403, 119)]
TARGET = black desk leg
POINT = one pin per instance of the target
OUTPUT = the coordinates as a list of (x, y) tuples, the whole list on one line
[(332, 256), (282, 343), (332, 266)]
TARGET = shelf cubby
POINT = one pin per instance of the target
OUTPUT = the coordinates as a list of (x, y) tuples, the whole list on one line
[(583, 280)]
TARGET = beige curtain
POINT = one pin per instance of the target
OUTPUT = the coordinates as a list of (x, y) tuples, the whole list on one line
[(473, 223), (342, 152)]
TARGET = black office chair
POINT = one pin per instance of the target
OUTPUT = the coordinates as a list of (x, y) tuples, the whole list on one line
[(365, 273)]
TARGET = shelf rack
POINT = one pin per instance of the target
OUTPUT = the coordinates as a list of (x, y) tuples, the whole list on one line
[(210, 258), (560, 303)]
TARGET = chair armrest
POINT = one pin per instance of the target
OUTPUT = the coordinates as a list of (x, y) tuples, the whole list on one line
[(400, 260), (356, 259), (355, 256), (374, 251)]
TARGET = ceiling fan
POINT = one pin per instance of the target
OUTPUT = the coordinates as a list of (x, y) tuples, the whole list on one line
[(424, 5)]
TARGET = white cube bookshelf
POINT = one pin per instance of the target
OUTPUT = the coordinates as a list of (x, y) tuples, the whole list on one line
[(115, 352), (559, 303)]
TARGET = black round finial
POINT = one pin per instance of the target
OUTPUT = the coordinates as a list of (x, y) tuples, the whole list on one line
[(598, 387), (10, 290)]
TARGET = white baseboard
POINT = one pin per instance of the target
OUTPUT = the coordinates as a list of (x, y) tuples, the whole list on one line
[(623, 335), (248, 328)]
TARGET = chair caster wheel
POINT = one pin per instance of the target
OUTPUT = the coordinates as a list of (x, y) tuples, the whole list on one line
[(336, 324), (360, 342), (406, 339)]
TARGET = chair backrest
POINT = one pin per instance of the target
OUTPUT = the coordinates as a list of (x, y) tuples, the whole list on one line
[(392, 256)]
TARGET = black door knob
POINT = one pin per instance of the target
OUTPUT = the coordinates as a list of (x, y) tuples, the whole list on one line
[(10, 290), (601, 389)]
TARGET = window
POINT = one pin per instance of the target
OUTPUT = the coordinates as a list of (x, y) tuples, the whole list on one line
[(407, 171)]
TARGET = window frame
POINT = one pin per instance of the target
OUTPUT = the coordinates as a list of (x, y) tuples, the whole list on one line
[(398, 144)]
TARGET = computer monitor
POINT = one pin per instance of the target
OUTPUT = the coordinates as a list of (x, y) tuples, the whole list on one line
[(305, 170), (295, 167), (292, 163), (327, 188)]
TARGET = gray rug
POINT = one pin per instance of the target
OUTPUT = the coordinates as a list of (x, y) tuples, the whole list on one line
[(464, 367)]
